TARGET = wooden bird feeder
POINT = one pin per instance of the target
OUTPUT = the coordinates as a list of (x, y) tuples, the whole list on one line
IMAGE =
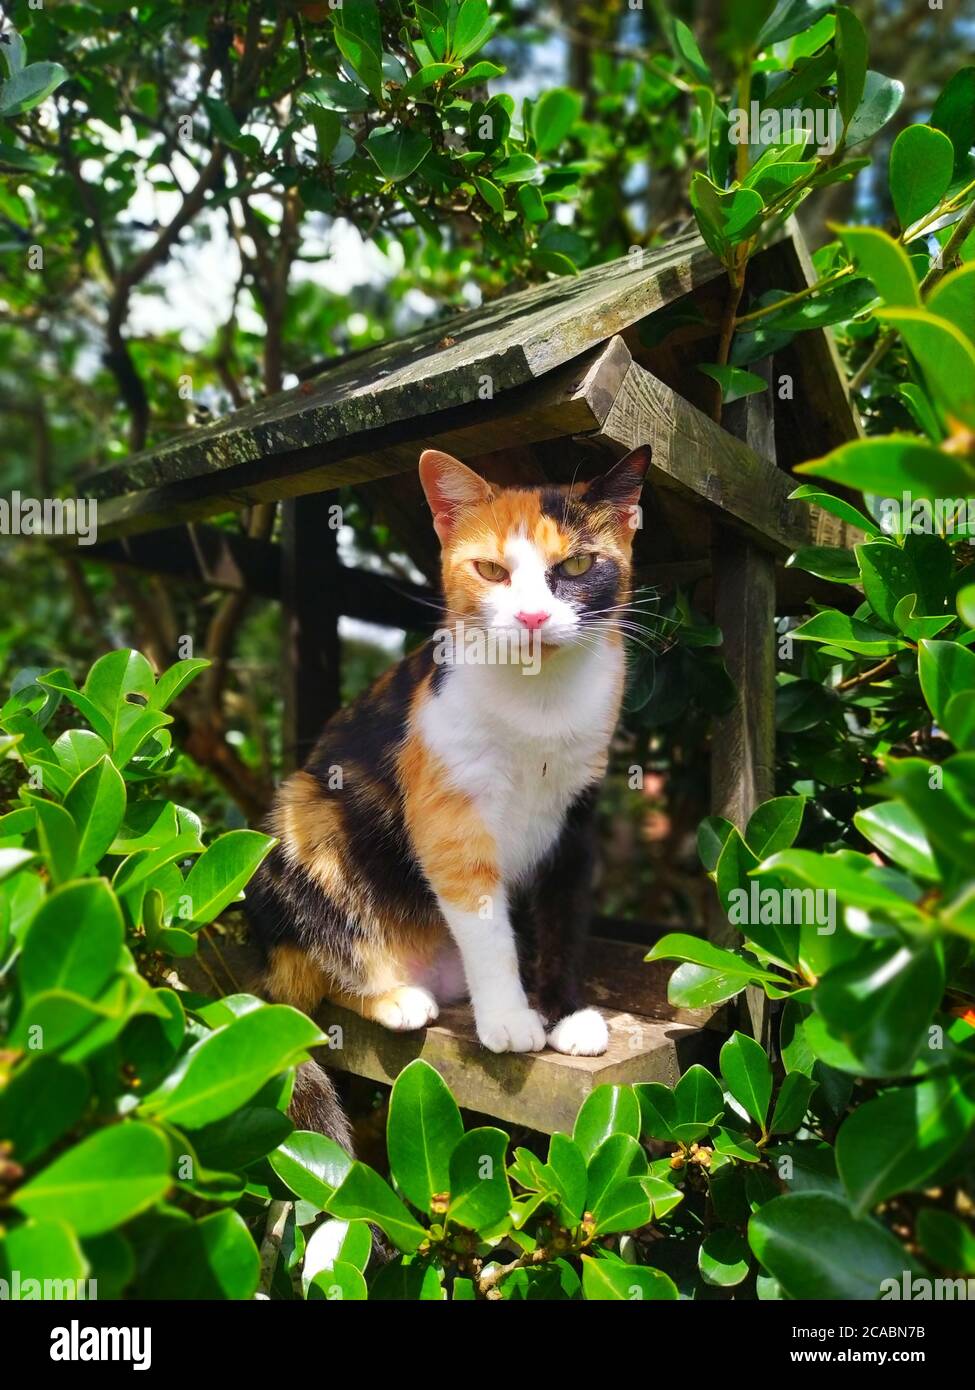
[(539, 386)]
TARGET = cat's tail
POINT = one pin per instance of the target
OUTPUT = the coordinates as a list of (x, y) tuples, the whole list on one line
[(315, 1105)]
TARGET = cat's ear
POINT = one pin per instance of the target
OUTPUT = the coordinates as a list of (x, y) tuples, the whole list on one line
[(449, 487), (622, 485)]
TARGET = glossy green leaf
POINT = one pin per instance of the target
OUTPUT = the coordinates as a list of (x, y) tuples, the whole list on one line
[(895, 1142), (480, 1194), (73, 941), (921, 162), (226, 1068), (606, 1110), (422, 1131), (814, 1246), (748, 1075), (101, 1182), (611, 1281), (722, 1259), (364, 1196)]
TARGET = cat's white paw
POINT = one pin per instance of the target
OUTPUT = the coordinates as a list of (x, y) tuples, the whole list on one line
[(582, 1034), (405, 1009), (516, 1030)]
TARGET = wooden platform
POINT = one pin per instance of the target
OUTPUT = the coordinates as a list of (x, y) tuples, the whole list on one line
[(542, 1090)]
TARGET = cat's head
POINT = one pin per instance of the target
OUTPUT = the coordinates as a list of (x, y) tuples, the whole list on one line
[(546, 559)]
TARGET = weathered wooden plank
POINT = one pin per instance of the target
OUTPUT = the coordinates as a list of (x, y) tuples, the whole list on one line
[(507, 342), (199, 554), (572, 399), (698, 458), (542, 1090), (204, 555)]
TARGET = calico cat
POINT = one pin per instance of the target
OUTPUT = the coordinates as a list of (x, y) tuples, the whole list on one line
[(459, 788)]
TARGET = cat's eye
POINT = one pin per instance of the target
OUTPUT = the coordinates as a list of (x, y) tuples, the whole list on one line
[(576, 565), (487, 569)]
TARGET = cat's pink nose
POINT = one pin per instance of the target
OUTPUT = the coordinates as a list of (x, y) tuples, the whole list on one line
[(532, 620)]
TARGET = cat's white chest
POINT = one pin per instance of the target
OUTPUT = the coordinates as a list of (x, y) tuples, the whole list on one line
[(523, 752)]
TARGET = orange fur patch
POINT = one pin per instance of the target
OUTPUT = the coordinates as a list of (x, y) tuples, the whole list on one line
[(458, 854)]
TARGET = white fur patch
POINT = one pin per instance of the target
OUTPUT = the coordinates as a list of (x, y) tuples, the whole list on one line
[(582, 1034), (516, 1030), (407, 1008)]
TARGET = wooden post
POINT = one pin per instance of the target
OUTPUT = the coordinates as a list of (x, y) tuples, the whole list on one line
[(309, 596), (743, 741)]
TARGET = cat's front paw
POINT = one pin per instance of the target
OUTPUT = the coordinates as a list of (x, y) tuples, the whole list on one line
[(516, 1030), (582, 1034), (405, 1008)]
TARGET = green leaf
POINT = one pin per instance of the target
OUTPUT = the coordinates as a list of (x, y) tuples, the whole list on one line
[(894, 464), (835, 629), (101, 1182), (679, 946), (362, 56), (491, 193), (881, 98), (895, 1142), (898, 833), (398, 151), (690, 54), (605, 1281), (712, 835), (213, 1257), (618, 1159), (699, 1098), (422, 1131), (113, 678), (946, 670), (700, 987), (816, 1248), (954, 113), (58, 837), (219, 875), (471, 29), (918, 403), (96, 803), (554, 115), (722, 1259), (735, 382), (774, 825), (826, 562), (946, 356), (946, 1241), (625, 1206), (792, 1103), (42, 1250), (29, 87), (725, 218), (73, 941), (606, 1110), (880, 1004), (77, 750), (474, 76), (748, 1075), (341, 1283), (567, 1166), (336, 1242), (921, 161), (365, 1196), (884, 261), (480, 1194), (225, 1069), (836, 506), (851, 62), (42, 1100), (953, 299), (312, 1165)]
